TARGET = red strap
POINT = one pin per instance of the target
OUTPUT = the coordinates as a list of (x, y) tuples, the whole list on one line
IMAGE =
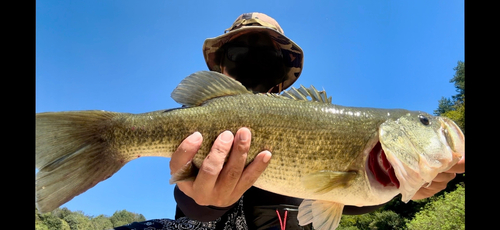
[(282, 223)]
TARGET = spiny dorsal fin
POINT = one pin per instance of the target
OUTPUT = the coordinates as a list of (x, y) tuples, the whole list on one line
[(204, 85), (302, 93)]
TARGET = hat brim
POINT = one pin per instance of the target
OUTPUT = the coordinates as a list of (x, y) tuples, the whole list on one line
[(292, 53)]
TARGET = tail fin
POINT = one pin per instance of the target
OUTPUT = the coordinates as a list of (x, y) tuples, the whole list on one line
[(71, 155)]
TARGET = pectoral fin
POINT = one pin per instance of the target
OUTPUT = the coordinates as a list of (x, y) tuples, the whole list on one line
[(325, 180), (324, 215)]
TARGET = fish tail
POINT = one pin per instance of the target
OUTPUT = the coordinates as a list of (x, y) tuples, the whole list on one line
[(72, 155)]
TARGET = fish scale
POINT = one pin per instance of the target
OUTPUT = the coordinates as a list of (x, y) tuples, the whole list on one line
[(320, 150)]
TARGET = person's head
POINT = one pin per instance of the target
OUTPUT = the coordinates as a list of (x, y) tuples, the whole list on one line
[(255, 51)]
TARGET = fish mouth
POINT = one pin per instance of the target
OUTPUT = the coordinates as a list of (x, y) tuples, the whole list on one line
[(381, 168)]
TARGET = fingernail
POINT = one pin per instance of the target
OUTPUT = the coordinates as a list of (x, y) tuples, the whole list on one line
[(226, 136), (196, 136), (267, 156), (244, 136)]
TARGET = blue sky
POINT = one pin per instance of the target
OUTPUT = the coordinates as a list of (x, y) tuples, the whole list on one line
[(128, 56)]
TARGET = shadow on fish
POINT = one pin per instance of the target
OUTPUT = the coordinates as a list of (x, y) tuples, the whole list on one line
[(327, 154)]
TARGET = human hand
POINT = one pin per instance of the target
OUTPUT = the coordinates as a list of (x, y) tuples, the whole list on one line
[(440, 181), (220, 184)]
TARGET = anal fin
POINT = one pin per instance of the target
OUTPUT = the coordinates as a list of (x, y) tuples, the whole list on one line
[(324, 215)]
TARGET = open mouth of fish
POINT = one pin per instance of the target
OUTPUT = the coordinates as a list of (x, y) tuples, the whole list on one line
[(380, 167)]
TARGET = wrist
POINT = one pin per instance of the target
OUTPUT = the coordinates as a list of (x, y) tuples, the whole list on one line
[(194, 211)]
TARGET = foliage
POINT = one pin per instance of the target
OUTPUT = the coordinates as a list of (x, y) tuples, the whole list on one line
[(444, 212), (123, 217), (375, 220), (405, 210), (102, 222), (64, 219), (439, 212), (457, 114), (455, 108), (49, 221), (459, 81)]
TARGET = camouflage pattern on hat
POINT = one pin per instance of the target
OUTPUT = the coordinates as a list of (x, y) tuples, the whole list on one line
[(293, 55)]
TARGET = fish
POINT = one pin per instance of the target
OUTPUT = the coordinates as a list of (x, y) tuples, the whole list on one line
[(329, 155)]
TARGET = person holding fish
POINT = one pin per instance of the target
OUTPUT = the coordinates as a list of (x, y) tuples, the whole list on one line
[(293, 162), (255, 52)]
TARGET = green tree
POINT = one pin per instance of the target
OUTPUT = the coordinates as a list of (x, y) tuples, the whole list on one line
[(347, 228), (39, 224), (405, 210), (378, 220), (52, 222), (455, 108), (61, 212), (387, 220), (444, 105), (457, 114), (64, 219), (101, 222), (77, 220), (351, 222), (459, 81), (123, 217), (444, 212)]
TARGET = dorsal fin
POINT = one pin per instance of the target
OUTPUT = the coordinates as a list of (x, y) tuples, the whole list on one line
[(302, 93), (204, 85)]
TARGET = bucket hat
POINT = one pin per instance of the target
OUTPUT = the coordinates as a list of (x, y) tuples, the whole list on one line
[(293, 55)]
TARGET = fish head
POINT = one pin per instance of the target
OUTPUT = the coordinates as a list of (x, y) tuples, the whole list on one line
[(419, 146)]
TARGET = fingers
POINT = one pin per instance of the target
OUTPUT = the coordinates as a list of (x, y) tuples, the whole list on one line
[(444, 177), (439, 183), (459, 167), (185, 152), (252, 172), (422, 194), (211, 168), (231, 173), (218, 183)]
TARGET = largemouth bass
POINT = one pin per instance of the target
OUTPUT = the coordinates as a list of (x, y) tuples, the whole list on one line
[(327, 154)]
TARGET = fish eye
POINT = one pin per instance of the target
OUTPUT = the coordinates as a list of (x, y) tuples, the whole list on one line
[(424, 120)]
